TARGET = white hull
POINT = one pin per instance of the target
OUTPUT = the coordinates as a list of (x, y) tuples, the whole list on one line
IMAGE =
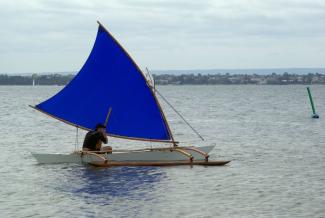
[(123, 156)]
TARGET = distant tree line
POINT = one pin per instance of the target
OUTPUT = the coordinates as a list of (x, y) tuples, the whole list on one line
[(184, 79), (228, 79), (52, 79)]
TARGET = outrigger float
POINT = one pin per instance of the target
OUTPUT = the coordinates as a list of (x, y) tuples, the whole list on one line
[(110, 88)]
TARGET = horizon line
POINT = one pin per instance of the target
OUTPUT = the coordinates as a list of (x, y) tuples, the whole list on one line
[(181, 70)]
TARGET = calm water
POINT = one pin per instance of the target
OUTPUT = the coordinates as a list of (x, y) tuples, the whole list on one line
[(277, 153)]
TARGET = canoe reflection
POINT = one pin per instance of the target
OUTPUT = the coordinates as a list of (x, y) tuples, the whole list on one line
[(132, 182)]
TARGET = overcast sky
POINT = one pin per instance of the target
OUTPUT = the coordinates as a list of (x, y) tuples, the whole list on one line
[(56, 36)]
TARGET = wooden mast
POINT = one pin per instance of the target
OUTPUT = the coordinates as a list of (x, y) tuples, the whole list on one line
[(107, 117)]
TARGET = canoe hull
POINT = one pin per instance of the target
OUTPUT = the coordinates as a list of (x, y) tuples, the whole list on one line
[(164, 157)]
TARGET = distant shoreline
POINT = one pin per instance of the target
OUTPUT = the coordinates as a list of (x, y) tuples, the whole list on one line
[(183, 79)]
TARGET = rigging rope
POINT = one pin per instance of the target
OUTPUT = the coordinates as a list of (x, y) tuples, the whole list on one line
[(197, 133), (77, 141), (152, 79)]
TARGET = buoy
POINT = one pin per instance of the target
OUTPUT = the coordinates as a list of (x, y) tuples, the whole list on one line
[(314, 115)]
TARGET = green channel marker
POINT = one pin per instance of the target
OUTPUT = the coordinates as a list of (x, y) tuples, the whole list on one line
[(314, 115)]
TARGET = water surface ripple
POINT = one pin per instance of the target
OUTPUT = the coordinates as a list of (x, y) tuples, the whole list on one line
[(277, 153)]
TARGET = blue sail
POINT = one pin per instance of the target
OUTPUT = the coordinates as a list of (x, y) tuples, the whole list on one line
[(110, 79)]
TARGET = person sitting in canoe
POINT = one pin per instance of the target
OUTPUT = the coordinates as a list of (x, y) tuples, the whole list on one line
[(94, 139)]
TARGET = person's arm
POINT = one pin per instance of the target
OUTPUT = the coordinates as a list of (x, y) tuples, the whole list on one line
[(103, 137)]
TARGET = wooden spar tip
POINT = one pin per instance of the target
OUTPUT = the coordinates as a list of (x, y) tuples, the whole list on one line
[(99, 23), (102, 26)]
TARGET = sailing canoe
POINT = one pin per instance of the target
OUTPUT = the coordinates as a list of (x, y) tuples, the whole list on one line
[(111, 85)]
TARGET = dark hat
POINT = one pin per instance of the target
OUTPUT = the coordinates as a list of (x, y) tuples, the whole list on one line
[(99, 125)]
